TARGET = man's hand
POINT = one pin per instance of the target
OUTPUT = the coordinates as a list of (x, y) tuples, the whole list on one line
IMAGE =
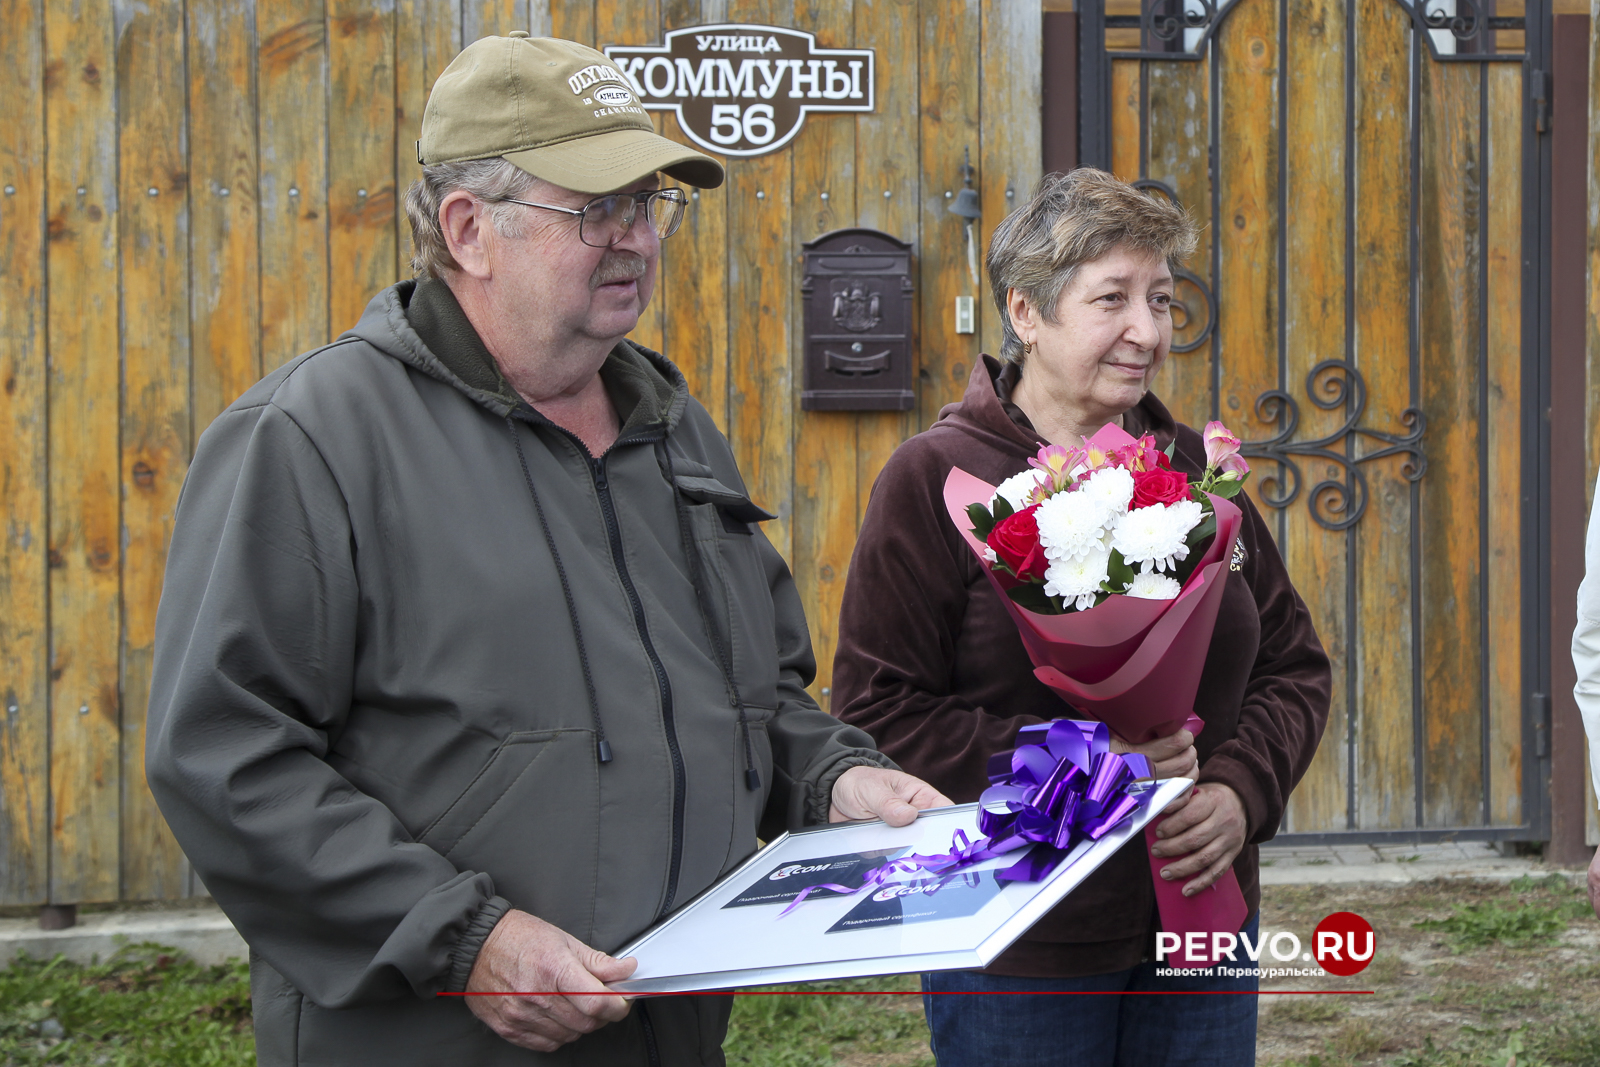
[(1208, 832), (876, 793), (523, 953), (1594, 884), (1172, 756)]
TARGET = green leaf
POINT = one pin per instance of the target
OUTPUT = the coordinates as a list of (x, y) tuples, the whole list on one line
[(1119, 574), (1033, 598), (1171, 449), (1002, 509), (982, 521), (1227, 490)]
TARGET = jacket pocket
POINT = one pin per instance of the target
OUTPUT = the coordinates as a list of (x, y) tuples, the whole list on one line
[(749, 804), (519, 756), (533, 808), (739, 589)]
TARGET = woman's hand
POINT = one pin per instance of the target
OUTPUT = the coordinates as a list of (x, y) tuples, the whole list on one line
[(1172, 756), (1208, 831)]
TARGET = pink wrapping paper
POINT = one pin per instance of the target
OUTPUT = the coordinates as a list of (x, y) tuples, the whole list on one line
[(1134, 665)]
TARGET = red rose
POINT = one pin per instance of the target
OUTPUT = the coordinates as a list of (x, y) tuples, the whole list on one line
[(1015, 539), (1158, 487)]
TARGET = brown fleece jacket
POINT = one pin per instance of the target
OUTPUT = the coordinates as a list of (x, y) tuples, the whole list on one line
[(931, 666)]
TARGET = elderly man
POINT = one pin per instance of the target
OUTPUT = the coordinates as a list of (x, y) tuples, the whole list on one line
[(472, 659)]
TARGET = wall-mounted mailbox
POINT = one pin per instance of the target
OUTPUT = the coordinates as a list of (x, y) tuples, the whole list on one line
[(857, 296)]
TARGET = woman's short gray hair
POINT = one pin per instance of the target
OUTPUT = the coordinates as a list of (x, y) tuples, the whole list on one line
[(1070, 220), (491, 180)]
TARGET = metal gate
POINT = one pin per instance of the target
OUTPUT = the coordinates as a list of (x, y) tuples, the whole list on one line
[(1367, 310)]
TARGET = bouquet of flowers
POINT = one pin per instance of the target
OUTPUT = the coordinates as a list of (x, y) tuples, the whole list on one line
[(1071, 530), (1112, 566)]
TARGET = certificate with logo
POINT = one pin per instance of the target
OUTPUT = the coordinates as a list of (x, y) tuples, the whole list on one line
[(734, 934)]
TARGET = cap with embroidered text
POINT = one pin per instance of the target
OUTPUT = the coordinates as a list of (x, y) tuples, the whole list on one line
[(558, 110)]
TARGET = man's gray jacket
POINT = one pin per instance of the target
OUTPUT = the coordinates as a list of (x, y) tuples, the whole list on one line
[(383, 678)]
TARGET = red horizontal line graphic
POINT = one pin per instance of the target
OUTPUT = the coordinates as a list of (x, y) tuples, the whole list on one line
[(948, 993)]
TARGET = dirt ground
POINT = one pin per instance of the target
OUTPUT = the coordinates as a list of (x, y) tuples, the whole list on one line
[(1509, 977)]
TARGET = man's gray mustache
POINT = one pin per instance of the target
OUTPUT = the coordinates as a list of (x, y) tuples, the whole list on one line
[(617, 267)]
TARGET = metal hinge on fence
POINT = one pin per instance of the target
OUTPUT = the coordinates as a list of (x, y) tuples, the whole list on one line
[(1539, 86)]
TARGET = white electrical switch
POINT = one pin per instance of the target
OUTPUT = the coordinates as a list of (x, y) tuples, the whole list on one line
[(964, 315)]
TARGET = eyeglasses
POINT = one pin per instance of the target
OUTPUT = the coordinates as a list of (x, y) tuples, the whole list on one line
[(605, 220)]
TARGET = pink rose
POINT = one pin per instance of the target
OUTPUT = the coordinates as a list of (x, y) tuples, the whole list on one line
[(1159, 487)]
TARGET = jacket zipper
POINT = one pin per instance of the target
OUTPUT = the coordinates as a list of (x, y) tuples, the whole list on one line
[(651, 1051), (597, 468)]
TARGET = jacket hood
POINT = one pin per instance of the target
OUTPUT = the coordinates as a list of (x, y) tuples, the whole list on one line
[(421, 325), (987, 413)]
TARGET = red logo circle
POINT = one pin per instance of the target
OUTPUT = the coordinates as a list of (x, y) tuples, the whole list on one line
[(1344, 943)]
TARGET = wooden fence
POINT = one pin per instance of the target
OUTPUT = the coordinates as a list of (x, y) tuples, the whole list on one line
[(196, 192), (193, 193)]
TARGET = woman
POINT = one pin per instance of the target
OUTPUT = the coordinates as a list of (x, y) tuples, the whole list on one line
[(931, 666)]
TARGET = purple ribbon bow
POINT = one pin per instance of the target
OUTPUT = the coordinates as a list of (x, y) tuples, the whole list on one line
[(1060, 785)]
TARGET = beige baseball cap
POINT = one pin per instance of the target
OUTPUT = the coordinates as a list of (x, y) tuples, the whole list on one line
[(560, 111)]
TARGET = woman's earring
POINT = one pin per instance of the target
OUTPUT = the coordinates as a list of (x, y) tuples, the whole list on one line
[(1027, 347)]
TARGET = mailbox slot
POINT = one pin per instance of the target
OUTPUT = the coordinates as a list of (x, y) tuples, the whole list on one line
[(856, 291)]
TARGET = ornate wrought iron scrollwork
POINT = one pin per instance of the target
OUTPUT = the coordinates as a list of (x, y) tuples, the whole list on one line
[(1465, 24), (1335, 505), (1182, 315), (1166, 26)]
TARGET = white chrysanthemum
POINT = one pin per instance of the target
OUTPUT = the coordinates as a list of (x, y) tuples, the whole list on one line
[(1016, 490), (989, 554), (1154, 537), (1072, 525), (1112, 486), (1147, 585), (1078, 579)]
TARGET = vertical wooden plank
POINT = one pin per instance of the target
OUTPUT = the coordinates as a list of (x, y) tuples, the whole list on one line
[(427, 36), (1180, 137), (950, 106), (496, 18), (361, 136), (85, 511), (638, 22), (890, 163), (1451, 642), (1386, 781), (225, 294), (824, 471), (1247, 177), (1012, 132), (1125, 119), (761, 293), (1503, 420), (292, 82), (1314, 309), (154, 247), (24, 593), (572, 20)]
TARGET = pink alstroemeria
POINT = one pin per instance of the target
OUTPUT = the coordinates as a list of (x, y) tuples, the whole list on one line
[(1235, 465), (1060, 464), (1142, 455), (1221, 444)]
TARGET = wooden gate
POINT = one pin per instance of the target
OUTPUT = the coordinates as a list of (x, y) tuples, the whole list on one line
[(195, 192), (1364, 312)]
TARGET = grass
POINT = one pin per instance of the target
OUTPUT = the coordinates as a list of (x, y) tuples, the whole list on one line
[(1467, 974), (146, 1005), (788, 1031)]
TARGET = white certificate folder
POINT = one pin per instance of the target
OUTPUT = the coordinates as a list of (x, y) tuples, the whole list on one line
[(732, 935)]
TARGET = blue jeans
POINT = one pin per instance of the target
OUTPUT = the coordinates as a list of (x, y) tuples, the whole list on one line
[(1092, 1031)]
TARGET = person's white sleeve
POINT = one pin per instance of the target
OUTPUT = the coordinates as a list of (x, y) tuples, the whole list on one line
[(1586, 644)]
